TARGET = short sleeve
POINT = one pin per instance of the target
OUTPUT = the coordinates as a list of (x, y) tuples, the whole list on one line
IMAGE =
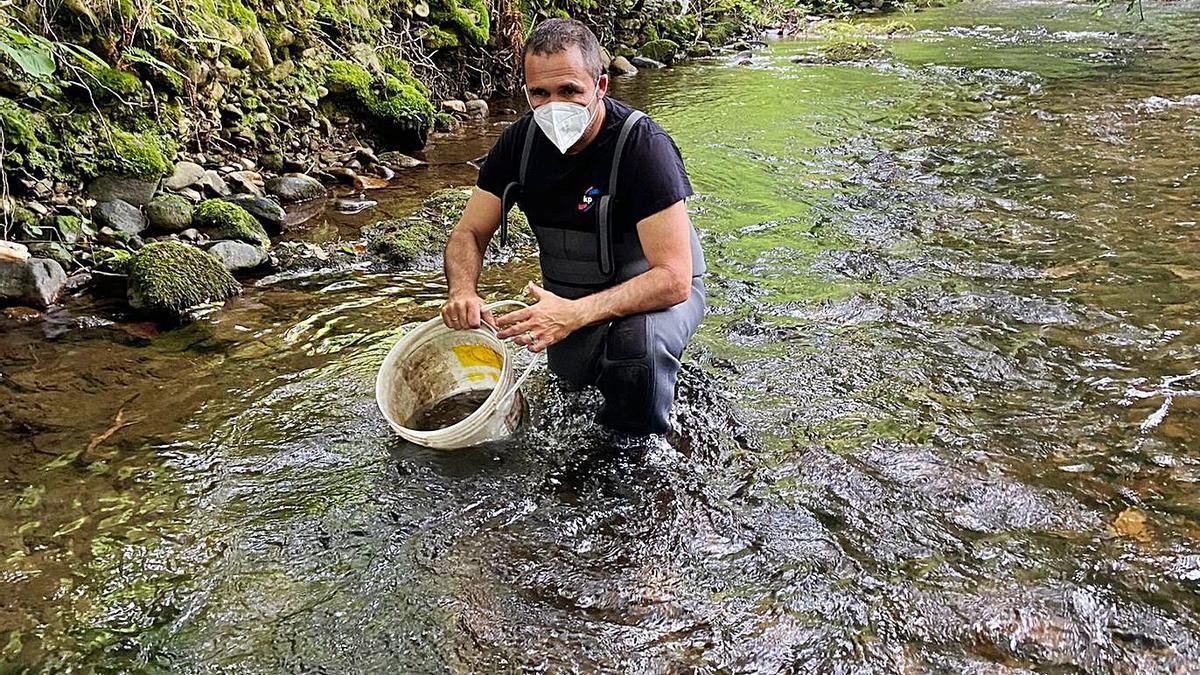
[(499, 169), (652, 174)]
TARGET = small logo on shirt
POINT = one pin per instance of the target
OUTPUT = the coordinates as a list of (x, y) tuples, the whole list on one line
[(588, 200)]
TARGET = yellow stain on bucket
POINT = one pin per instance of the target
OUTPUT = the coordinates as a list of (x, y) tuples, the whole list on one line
[(470, 356)]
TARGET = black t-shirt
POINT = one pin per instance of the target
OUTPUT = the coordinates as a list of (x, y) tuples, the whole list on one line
[(562, 191)]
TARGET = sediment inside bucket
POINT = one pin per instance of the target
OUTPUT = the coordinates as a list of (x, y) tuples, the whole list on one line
[(449, 411)]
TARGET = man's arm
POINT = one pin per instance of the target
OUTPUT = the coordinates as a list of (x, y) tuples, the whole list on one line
[(464, 259), (666, 241)]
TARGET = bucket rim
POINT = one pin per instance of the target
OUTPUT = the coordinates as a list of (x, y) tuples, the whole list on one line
[(432, 328)]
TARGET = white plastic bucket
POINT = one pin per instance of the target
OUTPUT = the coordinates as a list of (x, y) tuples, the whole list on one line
[(431, 363)]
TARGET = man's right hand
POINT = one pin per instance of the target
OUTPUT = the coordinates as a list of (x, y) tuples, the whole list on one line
[(465, 310)]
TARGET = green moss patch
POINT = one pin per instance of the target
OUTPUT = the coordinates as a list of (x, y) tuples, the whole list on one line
[(169, 277), (111, 260), (661, 50), (396, 101), (469, 18), (226, 220), (424, 233), (853, 49), (135, 154)]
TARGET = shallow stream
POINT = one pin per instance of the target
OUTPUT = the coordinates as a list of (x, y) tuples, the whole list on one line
[(944, 415)]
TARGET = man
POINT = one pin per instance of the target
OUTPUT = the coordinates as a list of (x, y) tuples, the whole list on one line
[(620, 260)]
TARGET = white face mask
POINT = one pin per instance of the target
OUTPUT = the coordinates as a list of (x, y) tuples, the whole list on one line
[(563, 123)]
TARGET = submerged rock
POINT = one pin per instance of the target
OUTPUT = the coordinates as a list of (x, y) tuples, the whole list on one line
[(238, 256), (295, 188), (168, 277), (119, 215), (36, 281), (170, 213), (354, 205), (227, 220)]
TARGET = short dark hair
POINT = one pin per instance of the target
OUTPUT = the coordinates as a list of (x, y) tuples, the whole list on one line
[(557, 35)]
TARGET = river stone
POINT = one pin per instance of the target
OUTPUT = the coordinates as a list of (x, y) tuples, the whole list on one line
[(266, 210), (272, 161), (293, 188), (477, 108), (213, 184), (136, 191), (169, 213), (399, 160), (245, 182), (662, 50), (606, 58), (186, 174), (191, 194), (238, 256), (37, 282), (119, 215), (342, 174), (168, 277), (622, 66), (366, 156), (71, 228), (454, 106), (644, 62)]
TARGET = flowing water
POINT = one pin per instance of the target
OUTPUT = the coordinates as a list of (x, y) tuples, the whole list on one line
[(944, 415)]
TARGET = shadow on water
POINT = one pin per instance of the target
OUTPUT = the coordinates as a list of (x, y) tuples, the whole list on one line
[(941, 417)]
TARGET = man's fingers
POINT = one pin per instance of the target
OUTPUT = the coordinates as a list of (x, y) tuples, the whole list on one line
[(516, 329), (515, 317), (489, 319)]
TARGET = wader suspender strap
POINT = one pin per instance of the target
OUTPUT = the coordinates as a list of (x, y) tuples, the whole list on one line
[(604, 236), (607, 265), (506, 201)]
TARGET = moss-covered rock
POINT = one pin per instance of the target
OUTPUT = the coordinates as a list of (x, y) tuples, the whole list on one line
[(136, 154), (226, 220), (168, 277), (397, 102), (468, 17), (71, 229), (110, 85), (436, 37), (853, 49), (170, 213), (111, 260), (663, 50), (18, 125), (423, 234)]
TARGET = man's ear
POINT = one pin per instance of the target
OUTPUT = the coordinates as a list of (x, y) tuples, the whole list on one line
[(602, 85)]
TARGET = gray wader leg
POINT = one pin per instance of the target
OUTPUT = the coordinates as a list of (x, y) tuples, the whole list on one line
[(634, 361)]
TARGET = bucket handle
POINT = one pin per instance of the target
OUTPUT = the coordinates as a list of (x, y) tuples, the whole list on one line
[(532, 362)]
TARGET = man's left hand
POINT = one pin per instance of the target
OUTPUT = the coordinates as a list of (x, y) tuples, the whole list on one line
[(548, 321)]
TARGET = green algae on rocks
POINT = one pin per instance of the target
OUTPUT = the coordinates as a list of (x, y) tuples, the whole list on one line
[(168, 277), (423, 234), (229, 221), (396, 101)]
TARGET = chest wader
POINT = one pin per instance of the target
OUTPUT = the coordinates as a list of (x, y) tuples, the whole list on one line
[(634, 360)]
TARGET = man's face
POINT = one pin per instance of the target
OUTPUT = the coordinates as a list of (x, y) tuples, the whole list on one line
[(561, 77)]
